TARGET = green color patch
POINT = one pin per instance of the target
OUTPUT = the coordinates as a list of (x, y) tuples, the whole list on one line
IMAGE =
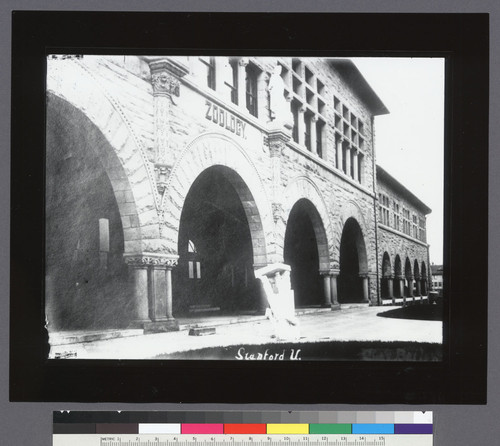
[(330, 428)]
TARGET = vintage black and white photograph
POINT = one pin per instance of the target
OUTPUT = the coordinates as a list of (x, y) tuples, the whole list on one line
[(244, 208)]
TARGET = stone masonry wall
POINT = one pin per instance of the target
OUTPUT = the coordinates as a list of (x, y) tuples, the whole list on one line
[(192, 118)]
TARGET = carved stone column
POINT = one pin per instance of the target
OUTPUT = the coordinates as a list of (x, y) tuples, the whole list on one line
[(165, 79), (334, 274), (401, 283), (278, 140), (152, 292), (409, 279), (418, 290), (138, 277), (327, 290), (390, 290), (160, 290), (366, 288)]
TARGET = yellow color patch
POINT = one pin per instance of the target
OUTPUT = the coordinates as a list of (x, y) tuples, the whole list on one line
[(288, 428)]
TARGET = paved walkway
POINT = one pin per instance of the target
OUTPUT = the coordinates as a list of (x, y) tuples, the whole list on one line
[(351, 324)]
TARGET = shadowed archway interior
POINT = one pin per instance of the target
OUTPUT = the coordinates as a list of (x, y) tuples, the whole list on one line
[(215, 271), (301, 253), (353, 262), (86, 277)]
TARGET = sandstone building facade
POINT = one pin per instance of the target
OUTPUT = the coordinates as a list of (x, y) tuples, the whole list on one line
[(171, 179)]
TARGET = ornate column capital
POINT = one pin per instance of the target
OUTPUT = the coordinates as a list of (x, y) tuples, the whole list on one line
[(277, 141), (145, 260), (165, 76)]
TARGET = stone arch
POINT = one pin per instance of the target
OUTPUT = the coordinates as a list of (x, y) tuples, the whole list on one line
[(126, 164), (214, 149), (303, 188), (349, 209)]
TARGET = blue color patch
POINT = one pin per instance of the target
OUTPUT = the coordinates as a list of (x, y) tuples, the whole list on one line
[(373, 428)]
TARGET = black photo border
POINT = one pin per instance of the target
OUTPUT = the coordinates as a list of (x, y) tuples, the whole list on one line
[(463, 39)]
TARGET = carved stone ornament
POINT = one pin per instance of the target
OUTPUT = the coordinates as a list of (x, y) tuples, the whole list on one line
[(147, 260), (165, 84), (276, 147), (277, 212), (335, 265)]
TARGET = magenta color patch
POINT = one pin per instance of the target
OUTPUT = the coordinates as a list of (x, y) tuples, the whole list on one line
[(194, 428)]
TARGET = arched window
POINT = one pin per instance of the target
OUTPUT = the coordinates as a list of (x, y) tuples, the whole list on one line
[(194, 265)]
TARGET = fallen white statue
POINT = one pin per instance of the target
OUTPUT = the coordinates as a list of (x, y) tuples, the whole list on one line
[(275, 280)]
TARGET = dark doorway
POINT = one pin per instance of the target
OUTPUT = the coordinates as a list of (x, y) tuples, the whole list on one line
[(301, 253), (215, 271), (352, 263)]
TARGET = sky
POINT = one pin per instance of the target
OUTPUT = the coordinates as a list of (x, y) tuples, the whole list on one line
[(409, 141)]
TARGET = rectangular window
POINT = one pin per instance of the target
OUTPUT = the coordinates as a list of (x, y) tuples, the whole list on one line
[(251, 89), (103, 235), (209, 63), (191, 269), (320, 125), (415, 228), (421, 230), (231, 82), (406, 222), (198, 270), (384, 209), (396, 216)]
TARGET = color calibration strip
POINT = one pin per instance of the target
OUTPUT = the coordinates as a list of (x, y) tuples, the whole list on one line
[(236, 429), (140, 423)]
